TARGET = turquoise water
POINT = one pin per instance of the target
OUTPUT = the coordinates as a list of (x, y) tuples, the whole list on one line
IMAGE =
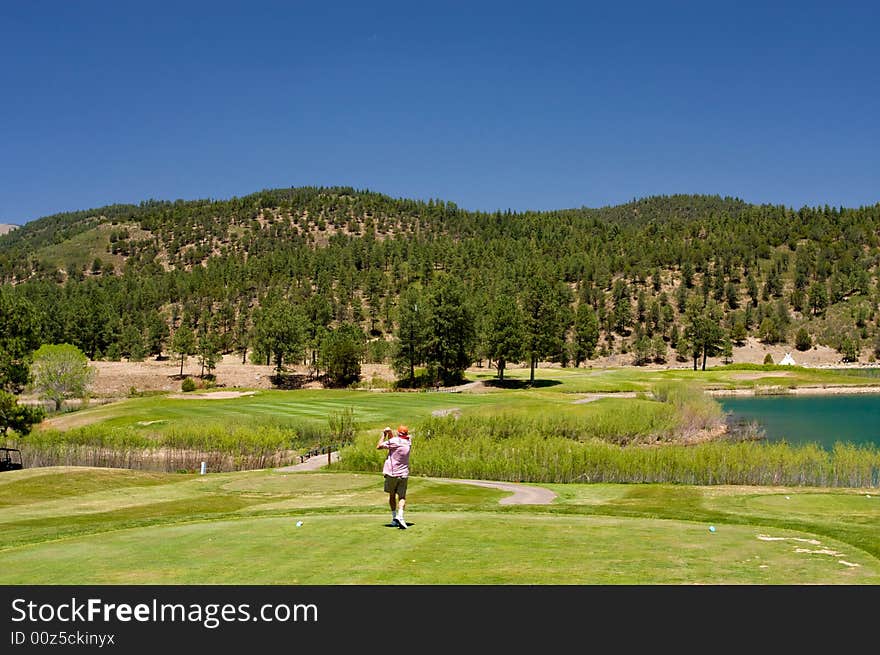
[(853, 418)]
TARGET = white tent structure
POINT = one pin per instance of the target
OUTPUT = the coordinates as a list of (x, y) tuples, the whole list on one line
[(788, 360)]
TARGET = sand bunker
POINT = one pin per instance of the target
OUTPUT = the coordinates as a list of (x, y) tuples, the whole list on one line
[(446, 412), (216, 395)]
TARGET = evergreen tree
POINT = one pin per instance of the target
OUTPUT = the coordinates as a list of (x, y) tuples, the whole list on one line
[(703, 332), (412, 332), (732, 295), (726, 350), (157, 333), (658, 349), (687, 275), (752, 286), (544, 321), (503, 331), (208, 351), (342, 352), (131, 343), (622, 315), (681, 296), (452, 336), (183, 344), (586, 333), (674, 337), (818, 298), (241, 335), (19, 338), (280, 333), (16, 417), (738, 332), (802, 340), (849, 347), (642, 350), (768, 332)]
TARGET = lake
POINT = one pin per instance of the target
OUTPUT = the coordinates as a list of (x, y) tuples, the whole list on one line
[(854, 418)]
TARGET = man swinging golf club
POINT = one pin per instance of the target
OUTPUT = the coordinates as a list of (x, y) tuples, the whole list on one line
[(396, 470)]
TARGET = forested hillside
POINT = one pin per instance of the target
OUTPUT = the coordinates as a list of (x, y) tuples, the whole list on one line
[(309, 273)]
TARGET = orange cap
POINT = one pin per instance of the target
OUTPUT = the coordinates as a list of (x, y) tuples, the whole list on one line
[(403, 431)]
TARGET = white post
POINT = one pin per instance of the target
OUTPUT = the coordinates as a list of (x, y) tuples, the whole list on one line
[(203, 468)]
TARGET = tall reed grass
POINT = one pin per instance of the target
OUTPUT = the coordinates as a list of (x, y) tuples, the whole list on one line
[(694, 410), (228, 446), (541, 458), (620, 444)]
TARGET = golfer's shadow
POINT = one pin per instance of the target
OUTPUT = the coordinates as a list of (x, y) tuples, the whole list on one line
[(393, 525)]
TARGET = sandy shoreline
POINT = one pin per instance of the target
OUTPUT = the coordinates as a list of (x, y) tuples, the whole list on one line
[(796, 391)]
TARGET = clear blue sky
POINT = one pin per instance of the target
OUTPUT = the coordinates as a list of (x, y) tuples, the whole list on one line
[(490, 105)]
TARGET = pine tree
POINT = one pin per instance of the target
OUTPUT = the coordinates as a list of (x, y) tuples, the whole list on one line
[(183, 344), (586, 333), (545, 321), (452, 336), (412, 332), (504, 333)]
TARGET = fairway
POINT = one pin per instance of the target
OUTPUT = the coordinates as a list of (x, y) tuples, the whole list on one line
[(110, 526), (556, 388), (159, 413)]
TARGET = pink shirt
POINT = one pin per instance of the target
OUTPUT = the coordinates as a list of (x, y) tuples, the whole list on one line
[(397, 463)]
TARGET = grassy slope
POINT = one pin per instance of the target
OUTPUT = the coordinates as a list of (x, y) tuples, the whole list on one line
[(80, 526), (82, 249)]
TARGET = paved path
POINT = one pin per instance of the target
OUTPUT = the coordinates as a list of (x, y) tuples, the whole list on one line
[(311, 464), (590, 397), (521, 494)]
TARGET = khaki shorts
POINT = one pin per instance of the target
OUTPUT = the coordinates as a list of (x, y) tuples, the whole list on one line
[(396, 485)]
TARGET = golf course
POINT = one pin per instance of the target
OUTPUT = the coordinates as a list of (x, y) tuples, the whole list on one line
[(275, 524), (113, 526)]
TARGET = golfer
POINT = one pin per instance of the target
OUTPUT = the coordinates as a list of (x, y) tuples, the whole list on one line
[(396, 470)]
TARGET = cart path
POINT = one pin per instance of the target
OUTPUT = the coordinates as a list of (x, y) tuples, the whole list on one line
[(521, 494), (311, 464)]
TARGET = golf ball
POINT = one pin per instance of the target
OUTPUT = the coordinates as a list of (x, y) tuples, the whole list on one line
[(711, 528), (299, 524)]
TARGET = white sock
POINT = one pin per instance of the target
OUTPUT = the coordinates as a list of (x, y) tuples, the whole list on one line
[(400, 514)]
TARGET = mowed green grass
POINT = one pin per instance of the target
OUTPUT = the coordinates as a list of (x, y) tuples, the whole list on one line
[(108, 526), (157, 413), (555, 390)]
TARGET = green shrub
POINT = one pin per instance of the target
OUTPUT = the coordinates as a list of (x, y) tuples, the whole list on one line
[(802, 340), (188, 385), (849, 348), (768, 358)]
